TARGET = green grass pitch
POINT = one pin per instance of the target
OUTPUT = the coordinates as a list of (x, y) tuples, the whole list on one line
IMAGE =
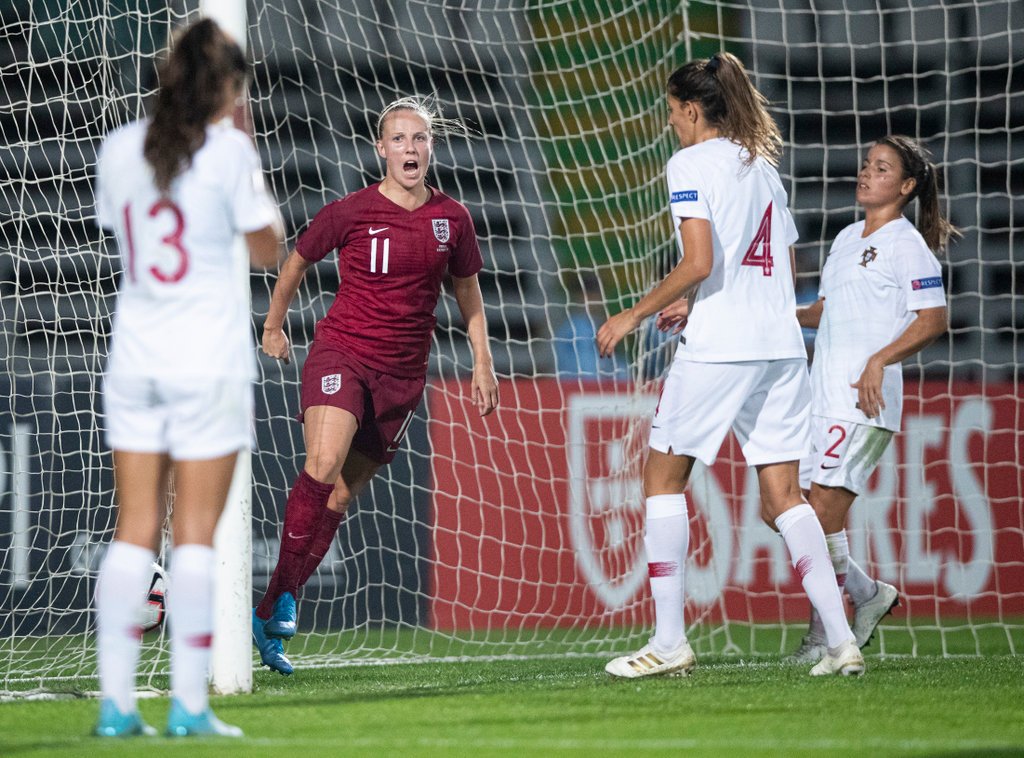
[(730, 705)]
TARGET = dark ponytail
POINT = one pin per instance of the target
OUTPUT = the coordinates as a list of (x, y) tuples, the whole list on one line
[(202, 69), (917, 165), (730, 103)]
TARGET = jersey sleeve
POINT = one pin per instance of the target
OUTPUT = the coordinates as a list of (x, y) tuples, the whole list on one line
[(826, 278), (252, 206), (105, 212), (918, 272), (792, 235), (325, 233), (466, 258), (687, 194)]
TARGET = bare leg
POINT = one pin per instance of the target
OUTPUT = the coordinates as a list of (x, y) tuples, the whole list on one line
[(141, 481), (200, 493), (329, 432), (832, 504)]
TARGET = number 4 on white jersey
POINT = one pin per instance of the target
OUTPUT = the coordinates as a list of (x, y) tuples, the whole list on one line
[(760, 251)]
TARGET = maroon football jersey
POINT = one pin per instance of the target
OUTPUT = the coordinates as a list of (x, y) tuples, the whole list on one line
[(392, 262)]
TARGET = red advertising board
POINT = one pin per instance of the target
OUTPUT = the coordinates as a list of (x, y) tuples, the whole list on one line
[(538, 515)]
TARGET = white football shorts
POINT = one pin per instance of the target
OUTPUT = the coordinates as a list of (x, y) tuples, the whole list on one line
[(844, 455), (190, 419), (765, 403)]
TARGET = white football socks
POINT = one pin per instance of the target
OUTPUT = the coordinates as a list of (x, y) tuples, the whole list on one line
[(190, 615), (839, 552), (859, 586), (805, 539), (666, 539), (121, 587)]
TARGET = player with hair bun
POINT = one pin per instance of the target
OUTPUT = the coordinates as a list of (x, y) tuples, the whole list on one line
[(366, 370), (741, 362), (176, 189), (880, 301)]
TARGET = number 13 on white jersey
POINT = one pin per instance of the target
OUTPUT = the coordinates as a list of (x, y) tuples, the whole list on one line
[(171, 268)]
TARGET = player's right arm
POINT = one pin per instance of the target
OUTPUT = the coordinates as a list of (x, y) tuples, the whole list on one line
[(255, 212), (265, 245), (324, 234), (275, 341), (695, 267), (921, 332)]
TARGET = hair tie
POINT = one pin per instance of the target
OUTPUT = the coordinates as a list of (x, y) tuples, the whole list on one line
[(713, 63)]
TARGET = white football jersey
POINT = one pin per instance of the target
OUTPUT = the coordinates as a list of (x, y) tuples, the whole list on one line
[(746, 309), (183, 304), (872, 286)]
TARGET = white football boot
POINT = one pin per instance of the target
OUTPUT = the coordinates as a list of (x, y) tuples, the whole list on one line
[(648, 662), (870, 613), (846, 660)]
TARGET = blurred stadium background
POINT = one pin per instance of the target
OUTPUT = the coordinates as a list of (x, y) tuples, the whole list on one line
[(523, 530)]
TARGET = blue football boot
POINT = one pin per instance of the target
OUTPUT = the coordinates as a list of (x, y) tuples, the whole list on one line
[(181, 723), (271, 651), (113, 723), (281, 624)]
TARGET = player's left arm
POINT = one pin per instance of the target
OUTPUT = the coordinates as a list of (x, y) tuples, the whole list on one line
[(921, 332), (809, 316), (471, 305)]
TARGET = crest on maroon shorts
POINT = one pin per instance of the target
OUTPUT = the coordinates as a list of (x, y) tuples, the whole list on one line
[(330, 384), (441, 231)]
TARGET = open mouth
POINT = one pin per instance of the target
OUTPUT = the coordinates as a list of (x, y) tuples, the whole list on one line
[(410, 166)]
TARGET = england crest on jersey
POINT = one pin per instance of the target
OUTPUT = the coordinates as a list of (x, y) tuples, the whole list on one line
[(330, 384), (441, 231)]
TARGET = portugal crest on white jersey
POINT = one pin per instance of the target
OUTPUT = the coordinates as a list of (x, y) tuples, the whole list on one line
[(441, 231)]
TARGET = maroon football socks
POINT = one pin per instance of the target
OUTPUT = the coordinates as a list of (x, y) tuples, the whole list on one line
[(302, 514), (325, 531)]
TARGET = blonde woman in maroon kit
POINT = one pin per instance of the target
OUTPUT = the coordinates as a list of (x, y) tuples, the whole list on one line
[(366, 371)]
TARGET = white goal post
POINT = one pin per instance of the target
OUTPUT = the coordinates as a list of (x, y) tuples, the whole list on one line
[(520, 534), (230, 656)]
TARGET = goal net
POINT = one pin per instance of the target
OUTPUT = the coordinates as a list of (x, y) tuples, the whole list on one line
[(521, 533)]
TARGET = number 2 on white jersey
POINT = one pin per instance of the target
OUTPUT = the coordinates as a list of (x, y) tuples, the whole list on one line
[(760, 251)]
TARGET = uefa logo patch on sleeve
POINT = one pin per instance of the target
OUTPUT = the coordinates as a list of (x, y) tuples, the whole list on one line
[(923, 284), (684, 196), (330, 384)]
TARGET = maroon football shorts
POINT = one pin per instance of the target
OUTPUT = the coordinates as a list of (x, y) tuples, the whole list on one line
[(382, 404)]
